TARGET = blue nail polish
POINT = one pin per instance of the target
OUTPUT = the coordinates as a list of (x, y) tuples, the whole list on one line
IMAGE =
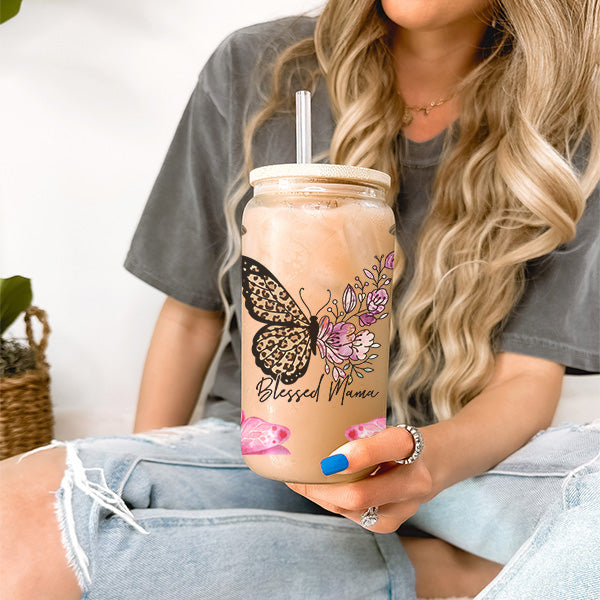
[(334, 464)]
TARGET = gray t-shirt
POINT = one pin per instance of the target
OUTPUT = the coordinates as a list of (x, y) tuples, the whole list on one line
[(181, 236)]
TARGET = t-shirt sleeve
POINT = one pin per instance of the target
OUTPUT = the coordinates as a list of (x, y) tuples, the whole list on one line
[(180, 239), (558, 317)]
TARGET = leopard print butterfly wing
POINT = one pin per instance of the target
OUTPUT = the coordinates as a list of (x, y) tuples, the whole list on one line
[(281, 348)]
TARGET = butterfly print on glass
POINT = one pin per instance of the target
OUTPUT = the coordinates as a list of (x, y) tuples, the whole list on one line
[(281, 348)]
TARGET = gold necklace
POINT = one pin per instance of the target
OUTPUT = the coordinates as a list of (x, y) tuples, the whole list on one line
[(408, 116)]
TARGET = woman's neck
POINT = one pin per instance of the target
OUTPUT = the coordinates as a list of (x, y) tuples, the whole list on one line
[(429, 66)]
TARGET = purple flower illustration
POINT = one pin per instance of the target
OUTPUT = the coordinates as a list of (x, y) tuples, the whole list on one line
[(349, 299), (363, 340), (366, 319), (376, 301), (389, 261), (335, 341)]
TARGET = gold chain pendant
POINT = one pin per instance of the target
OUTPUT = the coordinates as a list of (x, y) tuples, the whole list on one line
[(410, 111)]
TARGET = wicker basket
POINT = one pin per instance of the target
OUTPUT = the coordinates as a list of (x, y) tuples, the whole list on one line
[(26, 420)]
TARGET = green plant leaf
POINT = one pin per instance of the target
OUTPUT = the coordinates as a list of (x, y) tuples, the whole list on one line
[(15, 297), (8, 9)]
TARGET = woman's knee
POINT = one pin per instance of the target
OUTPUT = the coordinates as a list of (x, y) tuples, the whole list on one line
[(32, 560)]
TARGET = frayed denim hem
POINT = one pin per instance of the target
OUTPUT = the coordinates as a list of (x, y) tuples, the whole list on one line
[(76, 476)]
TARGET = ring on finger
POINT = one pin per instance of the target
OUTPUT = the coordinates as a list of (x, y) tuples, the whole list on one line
[(417, 447), (369, 517)]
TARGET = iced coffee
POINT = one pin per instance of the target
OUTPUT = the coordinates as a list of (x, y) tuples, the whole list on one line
[(317, 259)]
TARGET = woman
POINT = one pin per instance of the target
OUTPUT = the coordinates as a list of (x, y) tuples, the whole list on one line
[(487, 117)]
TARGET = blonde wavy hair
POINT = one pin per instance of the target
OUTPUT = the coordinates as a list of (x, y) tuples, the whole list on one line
[(507, 191)]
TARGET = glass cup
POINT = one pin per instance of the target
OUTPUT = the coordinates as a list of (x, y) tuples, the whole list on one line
[(317, 260)]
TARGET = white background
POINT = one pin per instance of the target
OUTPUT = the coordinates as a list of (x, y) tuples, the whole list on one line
[(90, 94)]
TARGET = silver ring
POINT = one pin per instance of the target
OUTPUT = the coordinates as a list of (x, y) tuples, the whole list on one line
[(418, 444), (369, 517)]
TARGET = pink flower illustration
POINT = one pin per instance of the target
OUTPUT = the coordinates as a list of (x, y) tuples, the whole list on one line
[(364, 430), (349, 299), (261, 437), (338, 373), (376, 301), (389, 261), (335, 341), (366, 319), (363, 340)]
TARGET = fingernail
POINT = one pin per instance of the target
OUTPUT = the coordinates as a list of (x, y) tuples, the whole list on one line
[(334, 464)]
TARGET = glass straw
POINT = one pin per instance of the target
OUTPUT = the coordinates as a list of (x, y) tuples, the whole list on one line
[(303, 133)]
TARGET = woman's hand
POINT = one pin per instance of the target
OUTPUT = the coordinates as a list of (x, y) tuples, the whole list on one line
[(397, 490), (519, 400)]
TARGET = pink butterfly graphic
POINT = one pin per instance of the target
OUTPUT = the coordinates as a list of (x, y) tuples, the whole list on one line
[(262, 437), (365, 430)]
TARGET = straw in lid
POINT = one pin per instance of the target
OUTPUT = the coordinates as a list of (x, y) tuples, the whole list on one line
[(339, 173), (305, 169)]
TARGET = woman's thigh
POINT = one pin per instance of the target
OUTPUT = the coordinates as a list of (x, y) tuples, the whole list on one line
[(497, 513), (176, 514)]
